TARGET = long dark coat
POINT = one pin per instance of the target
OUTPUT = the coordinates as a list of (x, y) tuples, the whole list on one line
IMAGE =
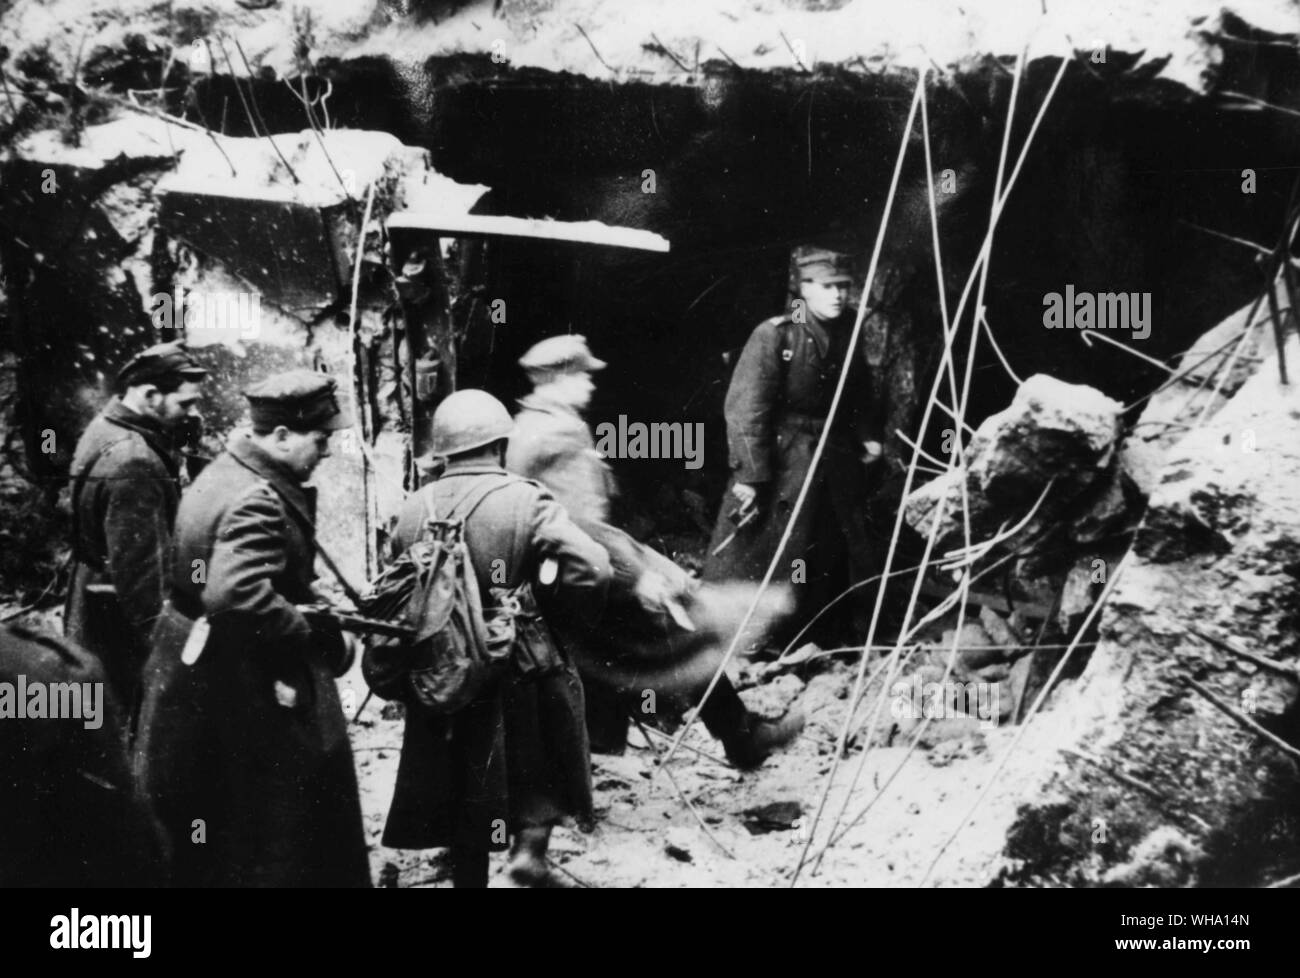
[(70, 816), (776, 408), (517, 756), (124, 508), (628, 649), (251, 738)]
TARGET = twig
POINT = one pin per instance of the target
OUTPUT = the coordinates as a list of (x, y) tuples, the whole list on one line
[(357, 716), (252, 96), (694, 750), (1243, 720), (993, 340), (662, 764), (664, 48), (1088, 336), (594, 49), (234, 80), (1285, 882), (733, 61), (1260, 102), (1228, 237), (1280, 668), (793, 53), (1115, 773)]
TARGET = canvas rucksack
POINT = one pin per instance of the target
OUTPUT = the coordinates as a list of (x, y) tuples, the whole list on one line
[(460, 648)]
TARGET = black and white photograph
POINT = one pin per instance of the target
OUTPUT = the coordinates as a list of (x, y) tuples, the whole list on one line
[(584, 444)]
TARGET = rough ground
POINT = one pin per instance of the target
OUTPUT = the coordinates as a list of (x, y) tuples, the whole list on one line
[(645, 837)]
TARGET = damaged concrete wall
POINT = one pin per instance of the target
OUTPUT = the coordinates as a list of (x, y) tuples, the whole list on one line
[(149, 231)]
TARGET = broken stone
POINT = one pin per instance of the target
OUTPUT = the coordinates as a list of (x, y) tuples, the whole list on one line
[(1051, 430), (997, 628), (777, 816)]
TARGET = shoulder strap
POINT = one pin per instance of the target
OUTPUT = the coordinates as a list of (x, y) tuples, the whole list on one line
[(353, 594), (785, 350), (474, 497)]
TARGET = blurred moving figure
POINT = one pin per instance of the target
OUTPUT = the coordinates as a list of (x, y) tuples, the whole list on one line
[(644, 642)]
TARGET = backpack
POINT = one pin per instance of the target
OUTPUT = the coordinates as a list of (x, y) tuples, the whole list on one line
[(460, 649)]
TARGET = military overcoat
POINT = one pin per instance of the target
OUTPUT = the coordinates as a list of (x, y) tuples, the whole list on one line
[(518, 755), (126, 488), (249, 738), (776, 408)]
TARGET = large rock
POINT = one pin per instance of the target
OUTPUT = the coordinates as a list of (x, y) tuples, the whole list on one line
[(1051, 431)]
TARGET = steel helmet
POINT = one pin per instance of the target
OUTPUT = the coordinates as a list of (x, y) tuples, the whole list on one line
[(469, 419)]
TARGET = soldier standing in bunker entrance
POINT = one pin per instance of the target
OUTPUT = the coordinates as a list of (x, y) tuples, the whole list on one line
[(776, 409), (242, 747), (636, 640), (516, 758), (125, 490)]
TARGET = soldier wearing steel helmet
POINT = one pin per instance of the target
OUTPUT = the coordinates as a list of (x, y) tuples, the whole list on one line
[(516, 760)]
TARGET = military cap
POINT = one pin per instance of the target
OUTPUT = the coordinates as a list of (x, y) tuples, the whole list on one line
[(823, 265), (158, 363), (562, 354), (301, 400)]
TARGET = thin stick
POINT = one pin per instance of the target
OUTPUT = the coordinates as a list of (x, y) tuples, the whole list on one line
[(993, 341), (662, 764), (252, 97), (694, 750), (1115, 773), (234, 80), (357, 716), (593, 48), (793, 53), (917, 448), (1242, 719), (664, 47), (729, 57), (949, 411), (1088, 336)]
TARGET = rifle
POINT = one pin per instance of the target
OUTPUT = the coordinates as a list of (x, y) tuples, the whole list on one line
[(350, 621)]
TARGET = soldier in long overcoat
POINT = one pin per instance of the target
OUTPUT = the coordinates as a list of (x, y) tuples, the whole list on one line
[(776, 408), (515, 760), (125, 490), (243, 746), (636, 646)]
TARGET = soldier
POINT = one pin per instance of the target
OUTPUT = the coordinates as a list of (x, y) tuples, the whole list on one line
[(243, 745), (776, 408), (125, 490), (71, 816), (516, 758), (553, 444)]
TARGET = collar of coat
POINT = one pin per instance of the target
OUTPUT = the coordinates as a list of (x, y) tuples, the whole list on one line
[(472, 467), (547, 405), (248, 453), (824, 333), (150, 429)]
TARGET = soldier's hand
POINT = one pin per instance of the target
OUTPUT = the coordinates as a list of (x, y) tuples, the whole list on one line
[(873, 451), (745, 494), (653, 591)]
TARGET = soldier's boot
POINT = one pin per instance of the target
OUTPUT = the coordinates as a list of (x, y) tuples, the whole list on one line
[(746, 739), (528, 857), (751, 748)]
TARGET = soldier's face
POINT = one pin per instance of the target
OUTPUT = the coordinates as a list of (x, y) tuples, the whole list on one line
[(302, 451), (573, 389), (176, 408), (825, 299)]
